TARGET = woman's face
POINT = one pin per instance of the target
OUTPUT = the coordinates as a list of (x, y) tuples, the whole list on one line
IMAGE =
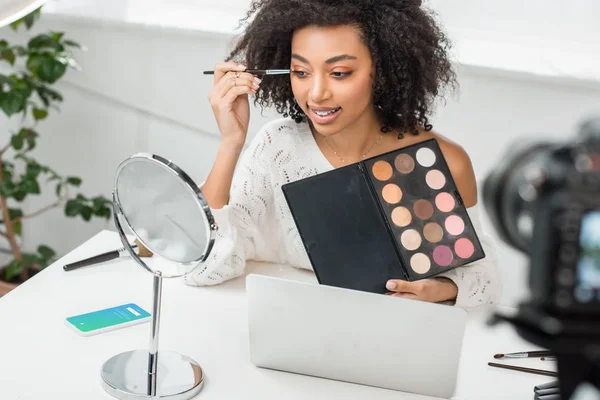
[(334, 76)]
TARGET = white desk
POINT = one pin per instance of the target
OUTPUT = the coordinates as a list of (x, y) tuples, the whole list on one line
[(41, 358)]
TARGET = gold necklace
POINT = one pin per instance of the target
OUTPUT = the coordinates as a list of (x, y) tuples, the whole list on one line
[(363, 156)]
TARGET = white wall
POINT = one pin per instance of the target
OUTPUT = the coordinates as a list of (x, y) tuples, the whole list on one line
[(141, 90)]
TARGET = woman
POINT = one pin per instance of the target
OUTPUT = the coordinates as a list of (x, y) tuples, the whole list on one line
[(365, 74)]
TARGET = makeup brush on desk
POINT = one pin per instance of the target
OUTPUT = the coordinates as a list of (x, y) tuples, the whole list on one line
[(525, 354), (109, 255), (523, 369)]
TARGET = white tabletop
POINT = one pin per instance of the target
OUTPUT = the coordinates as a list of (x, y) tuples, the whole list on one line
[(41, 358)]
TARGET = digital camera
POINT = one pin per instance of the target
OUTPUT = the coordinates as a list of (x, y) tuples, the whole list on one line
[(544, 200)]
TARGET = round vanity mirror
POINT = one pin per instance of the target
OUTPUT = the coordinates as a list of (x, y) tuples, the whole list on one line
[(160, 206), (166, 212)]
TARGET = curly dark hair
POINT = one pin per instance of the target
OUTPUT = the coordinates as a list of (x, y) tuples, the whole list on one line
[(409, 50)]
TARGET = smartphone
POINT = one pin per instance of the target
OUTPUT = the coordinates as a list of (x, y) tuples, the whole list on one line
[(108, 319)]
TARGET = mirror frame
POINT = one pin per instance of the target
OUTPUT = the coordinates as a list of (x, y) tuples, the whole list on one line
[(211, 226)]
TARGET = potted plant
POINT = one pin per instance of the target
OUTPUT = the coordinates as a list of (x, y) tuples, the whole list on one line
[(27, 91)]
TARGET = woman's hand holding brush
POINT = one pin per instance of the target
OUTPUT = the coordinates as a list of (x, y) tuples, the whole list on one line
[(229, 101)]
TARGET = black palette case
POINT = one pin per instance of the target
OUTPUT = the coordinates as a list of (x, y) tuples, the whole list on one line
[(394, 216)]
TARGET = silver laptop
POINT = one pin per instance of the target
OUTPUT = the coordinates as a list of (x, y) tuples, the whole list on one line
[(354, 336)]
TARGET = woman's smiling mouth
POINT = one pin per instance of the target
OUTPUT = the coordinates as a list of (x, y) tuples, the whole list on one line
[(324, 115)]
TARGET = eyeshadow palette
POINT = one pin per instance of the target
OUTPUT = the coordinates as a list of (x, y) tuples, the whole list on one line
[(423, 210), (398, 215)]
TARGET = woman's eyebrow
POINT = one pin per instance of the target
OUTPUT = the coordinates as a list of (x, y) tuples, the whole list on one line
[(331, 60)]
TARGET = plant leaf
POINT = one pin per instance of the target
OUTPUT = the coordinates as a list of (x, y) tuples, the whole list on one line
[(48, 95), (17, 141), (7, 188), (12, 102), (72, 44), (44, 41), (32, 17), (30, 259), (8, 55), (19, 50), (73, 208), (33, 170), (86, 212), (30, 138), (46, 67), (14, 213), (20, 195), (29, 19), (5, 80), (46, 252), (58, 36), (30, 186), (39, 114), (18, 228), (15, 25), (74, 181), (14, 268)]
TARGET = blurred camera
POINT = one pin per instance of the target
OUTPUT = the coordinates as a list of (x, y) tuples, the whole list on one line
[(544, 200)]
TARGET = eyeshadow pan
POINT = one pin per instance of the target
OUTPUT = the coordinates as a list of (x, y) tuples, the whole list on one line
[(442, 255), (391, 193), (410, 239), (401, 216), (423, 209), (464, 248), (425, 157), (454, 225), (404, 163), (382, 170), (435, 179), (420, 263), (433, 232), (445, 202)]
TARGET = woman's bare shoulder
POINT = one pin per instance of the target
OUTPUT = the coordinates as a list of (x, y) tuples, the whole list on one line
[(460, 166)]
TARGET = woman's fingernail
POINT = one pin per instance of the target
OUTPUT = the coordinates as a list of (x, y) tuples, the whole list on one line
[(241, 66), (257, 80), (255, 85), (391, 285)]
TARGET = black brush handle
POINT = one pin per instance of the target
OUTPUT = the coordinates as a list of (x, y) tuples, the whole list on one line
[(523, 369), (92, 260)]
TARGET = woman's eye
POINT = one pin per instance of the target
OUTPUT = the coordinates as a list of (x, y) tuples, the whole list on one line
[(300, 74), (339, 74)]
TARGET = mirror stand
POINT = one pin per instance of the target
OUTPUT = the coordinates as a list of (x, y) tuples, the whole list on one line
[(150, 374)]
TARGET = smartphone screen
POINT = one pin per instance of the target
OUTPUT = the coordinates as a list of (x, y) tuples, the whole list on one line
[(108, 319)]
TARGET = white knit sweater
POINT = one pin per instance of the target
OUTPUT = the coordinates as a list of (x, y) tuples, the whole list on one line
[(257, 224)]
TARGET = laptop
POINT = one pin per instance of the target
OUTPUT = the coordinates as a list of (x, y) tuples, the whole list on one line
[(354, 336)]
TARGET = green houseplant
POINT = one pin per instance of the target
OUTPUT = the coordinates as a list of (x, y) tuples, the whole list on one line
[(27, 92)]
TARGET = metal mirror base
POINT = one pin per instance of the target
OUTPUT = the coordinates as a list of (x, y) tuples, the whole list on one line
[(125, 376)]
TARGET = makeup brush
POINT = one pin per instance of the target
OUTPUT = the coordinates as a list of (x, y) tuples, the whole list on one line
[(525, 354), (142, 250), (107, 256), (258, 72), (523, 369)]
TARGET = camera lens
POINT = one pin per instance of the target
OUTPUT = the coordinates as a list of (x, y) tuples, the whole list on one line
[(510, 191)]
